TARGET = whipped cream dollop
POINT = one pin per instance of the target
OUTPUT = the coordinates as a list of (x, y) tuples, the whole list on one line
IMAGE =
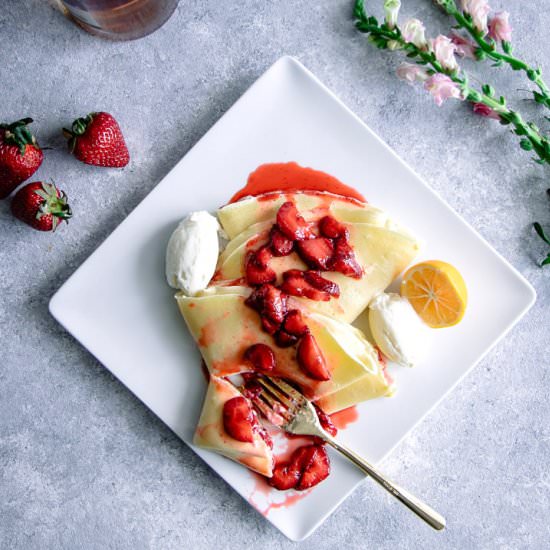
[(397, 330), (192, 252)]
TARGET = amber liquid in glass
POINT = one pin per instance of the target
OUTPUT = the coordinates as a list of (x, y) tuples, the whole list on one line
[(120, 19)]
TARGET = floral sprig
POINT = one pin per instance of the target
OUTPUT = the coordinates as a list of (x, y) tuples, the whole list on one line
[(487, 35), (437, 68), (542, 235)]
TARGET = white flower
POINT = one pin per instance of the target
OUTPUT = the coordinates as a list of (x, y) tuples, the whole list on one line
[(391, 10), (444, 51), (479, 10), (412, 73), (413, 31)]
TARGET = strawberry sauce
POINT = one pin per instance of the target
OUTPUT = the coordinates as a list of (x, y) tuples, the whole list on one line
[(290, 177), (342, 419)]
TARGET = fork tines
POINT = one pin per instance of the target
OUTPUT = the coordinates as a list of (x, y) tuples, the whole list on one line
[(277, 400)]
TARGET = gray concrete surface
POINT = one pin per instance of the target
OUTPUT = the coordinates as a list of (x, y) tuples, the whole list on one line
[(83, 464)]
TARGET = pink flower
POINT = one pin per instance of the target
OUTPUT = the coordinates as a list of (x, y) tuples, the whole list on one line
[(412, 73), (464, 47), (444, 51), (483, 110), (479, 10), (442, 87), (500, 28), (413, 31)]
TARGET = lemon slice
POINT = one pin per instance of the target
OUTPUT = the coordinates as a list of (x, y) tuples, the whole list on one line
[(437, 292)]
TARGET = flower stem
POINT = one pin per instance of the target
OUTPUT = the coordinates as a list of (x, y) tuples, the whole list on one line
[(531, 138), (489, 50)]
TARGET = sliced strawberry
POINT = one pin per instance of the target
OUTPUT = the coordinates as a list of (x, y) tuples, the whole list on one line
[(238, 419), (274, 306), (294, 323), (308, 466), (332, 228), (286, 475), (281, 245), (317, 252), (344, 260), (326, 422), (256, 274), (269, 326), (256, 299), (310, 358), (263, 255), (261, 357), (315, 279), (317, 468), (285, 339), (292, 224), (294, 283)]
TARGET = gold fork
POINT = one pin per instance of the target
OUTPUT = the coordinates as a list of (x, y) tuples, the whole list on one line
[(287, 408)]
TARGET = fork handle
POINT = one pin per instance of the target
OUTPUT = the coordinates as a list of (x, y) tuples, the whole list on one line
[(422, 510)]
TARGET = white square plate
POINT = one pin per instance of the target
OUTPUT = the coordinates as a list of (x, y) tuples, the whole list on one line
[(119, 306)]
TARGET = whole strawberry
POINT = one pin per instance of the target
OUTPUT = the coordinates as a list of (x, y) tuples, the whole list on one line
[(97, 139), (41, 205), (20, 155)]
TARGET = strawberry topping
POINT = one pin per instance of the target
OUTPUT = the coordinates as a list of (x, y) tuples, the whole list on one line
[(332, 228), (256, 273), (294, 323), (315, 279), (326, 422), (281, 245), (316, 467), (239, 419), (263, 255), (294, 283), (344, 260), (310, 358), (271, 304), (307, 467), (261, 357), (292, 224), (285, 340), (317, 252)]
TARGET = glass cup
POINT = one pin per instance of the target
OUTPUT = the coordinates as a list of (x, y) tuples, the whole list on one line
[(119, 19)]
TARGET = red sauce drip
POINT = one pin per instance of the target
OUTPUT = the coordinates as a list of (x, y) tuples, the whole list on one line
[(291, 177), (345, 417)]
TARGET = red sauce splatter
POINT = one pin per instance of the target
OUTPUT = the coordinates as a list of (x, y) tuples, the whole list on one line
[(291, 177), (342, 419)]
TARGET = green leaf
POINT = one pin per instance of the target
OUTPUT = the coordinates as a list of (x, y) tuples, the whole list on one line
[(540, 232), (480, 54), (531, 74), (546, 261), (507, 47), (488, 90), (539, 98), (526, 145), (474, 96)]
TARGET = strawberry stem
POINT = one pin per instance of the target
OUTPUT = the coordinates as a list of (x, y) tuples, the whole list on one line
[(54, 202), (78, 128), (18, 134)]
